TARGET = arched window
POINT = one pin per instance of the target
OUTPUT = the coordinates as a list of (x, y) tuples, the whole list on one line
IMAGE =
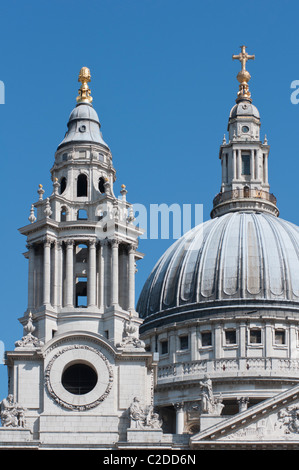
[(63, 214), (82, 185), (62, 185), (246, 191), (82, 214), (101, 185)]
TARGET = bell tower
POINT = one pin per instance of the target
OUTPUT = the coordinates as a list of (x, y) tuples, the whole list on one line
[(244, 158), (80, 365), (82, 242)]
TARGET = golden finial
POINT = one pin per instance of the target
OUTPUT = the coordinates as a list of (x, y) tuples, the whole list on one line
[(84, 91), (243, 76)]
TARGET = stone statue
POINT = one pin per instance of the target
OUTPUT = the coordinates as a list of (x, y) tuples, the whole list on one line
[(207, 395), (210, 404), (129, 340), (143, 418), (137, 414), (12, 414)]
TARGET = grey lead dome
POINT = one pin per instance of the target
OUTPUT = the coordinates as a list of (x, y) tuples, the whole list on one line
[(240, 255), (83, 126)]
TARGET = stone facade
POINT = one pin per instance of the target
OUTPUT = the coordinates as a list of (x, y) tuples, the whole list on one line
[(207, 360), (80, 363)]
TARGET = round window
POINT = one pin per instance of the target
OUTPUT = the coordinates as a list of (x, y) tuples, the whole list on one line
[(79, 379), (245, 129)]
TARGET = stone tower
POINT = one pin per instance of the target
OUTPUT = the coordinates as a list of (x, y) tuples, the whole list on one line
[(80, 364), (244, 158)]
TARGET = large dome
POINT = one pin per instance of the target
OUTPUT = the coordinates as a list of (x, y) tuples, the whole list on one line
[(238, 258)]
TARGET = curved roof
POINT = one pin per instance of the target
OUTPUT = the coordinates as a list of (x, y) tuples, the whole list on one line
[(83, 126), (240, 255), (244, 108)]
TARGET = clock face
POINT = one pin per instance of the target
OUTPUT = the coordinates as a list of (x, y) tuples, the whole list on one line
[(245, 129)]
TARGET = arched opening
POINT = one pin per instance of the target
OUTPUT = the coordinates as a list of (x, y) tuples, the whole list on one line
[(82, 185), (82, 214), (246, 191), (102, 185), (62, 185), (63, 214)]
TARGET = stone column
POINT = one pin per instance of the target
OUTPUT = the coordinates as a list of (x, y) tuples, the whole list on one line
[(252, 165), (31, 296), (218, 341), (114, 283), (131, 280), (179, 408), (266, 168), (239, 158), (234, 173), (55, 274), (69, 299), (59, 274), (91, 281), (106, 260), (101, 278), (47, 271)]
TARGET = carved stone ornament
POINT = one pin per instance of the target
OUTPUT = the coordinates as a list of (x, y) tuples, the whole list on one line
[(289, 418), (12, 414), (210, 404), (143, 417), (29, 341), (67, 355), (129, 340)]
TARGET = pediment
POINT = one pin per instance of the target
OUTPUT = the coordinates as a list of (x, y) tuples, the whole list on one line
[(273, 421)]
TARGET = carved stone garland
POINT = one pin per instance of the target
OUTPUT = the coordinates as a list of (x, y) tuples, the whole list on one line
[(70, 406)]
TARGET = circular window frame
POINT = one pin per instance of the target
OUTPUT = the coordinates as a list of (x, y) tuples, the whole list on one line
[(71, 355)]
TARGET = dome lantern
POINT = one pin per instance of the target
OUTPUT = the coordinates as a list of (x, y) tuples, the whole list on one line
[(244, 158)]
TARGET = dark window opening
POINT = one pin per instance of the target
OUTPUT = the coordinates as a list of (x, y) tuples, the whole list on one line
[(184, 343), (101, 185), (230, 337), (164, 347), (245, 164), (81, 292), (280, 337), (63, 215), (82, 185), (62, 185), (206, 338), (79, 379), (255, 336)]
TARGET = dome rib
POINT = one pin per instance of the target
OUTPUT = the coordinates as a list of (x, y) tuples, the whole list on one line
[(237, 257)]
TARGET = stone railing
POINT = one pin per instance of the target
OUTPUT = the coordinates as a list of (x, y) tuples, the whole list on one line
[(226, 367), (245, 193)]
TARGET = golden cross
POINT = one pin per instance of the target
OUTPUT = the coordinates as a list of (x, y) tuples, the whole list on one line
[(243, 57)]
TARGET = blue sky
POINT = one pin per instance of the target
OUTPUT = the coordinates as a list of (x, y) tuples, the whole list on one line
[(163, 83)]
